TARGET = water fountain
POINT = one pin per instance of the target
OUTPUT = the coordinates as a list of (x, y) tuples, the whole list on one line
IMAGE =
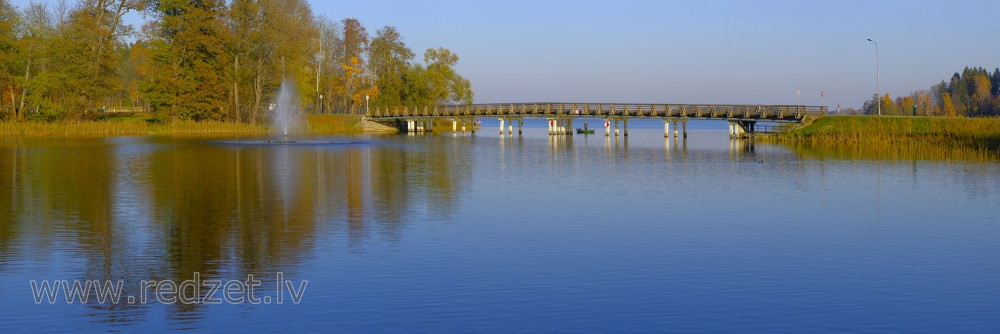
[(286, 117)]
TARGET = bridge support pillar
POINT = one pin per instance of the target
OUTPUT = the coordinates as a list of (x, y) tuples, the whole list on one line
[(520, 124), (550, 123), (738, 129), (684, 124), (666, 129), (569, 128), (676, 128), (454, 126), (616, 128), (607, 128), (501, 125), (625, 127), (510, 126)]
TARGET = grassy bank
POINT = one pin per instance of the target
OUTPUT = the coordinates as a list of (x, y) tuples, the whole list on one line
[(980, 133), (135, 125)]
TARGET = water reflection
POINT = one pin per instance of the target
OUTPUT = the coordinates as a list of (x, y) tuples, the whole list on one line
[(151, 209), (546, 218), (893, 151)]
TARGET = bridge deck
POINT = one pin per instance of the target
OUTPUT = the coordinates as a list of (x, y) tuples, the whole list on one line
[(775, 113)]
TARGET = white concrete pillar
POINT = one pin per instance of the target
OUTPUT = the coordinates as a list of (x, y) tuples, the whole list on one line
[(607, 128), (675, 129), (454, 126), (501, 125), (666, 128), (625, 123), (510, 126), (571, 129), (520, 124), (616, 128)]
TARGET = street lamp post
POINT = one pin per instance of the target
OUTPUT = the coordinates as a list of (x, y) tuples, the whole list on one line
[(878, 89), (366, 105)]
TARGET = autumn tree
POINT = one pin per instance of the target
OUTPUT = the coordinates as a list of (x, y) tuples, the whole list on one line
[(947, 106), (88, 50), (9, 20), (364, 87), (207, 60), (190, 79), (389, 61), (924, 102), (444, 84), (42, 82), (888, 107), (272, 39), (352, 56), (330, 53), (995, 82)]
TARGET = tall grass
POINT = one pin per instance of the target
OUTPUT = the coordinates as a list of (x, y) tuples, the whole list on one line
[(983, 133), (331, 124), (137, 126)]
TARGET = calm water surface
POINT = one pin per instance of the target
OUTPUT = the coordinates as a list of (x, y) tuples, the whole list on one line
[(488, 234)]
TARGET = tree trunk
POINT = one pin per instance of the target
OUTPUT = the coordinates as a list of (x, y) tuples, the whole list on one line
[(24, 91), (13, 99), (258, 91), (236, 91)]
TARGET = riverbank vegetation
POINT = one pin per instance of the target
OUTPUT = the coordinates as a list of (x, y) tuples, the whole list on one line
[(140, 125), (205, 61), (979, 133)]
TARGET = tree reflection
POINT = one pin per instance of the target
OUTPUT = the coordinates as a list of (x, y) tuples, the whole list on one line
[(156, 209)]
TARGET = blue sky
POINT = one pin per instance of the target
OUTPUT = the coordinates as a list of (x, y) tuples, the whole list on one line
[(758, 51), (692, 51)]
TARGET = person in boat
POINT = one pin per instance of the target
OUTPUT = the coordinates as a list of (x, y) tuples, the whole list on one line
[(584, 126)]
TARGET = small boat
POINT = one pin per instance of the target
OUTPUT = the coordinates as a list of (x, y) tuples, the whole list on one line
[(585, 131)]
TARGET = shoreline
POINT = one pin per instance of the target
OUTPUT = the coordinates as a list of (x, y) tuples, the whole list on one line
[(977, 133), (132, 125)]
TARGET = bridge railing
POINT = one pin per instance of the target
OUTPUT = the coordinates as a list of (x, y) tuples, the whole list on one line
[(770, 112)]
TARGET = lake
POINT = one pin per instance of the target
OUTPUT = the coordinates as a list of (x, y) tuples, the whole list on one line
[(483, 233)]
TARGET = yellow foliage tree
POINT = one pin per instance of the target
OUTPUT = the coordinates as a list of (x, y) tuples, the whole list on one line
[(906, 105), (358, 84), (947, 108)]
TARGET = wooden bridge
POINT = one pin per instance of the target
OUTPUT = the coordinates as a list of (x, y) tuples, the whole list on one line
[(742, 118)]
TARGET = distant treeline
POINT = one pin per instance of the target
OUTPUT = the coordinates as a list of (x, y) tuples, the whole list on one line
[(207, 60), (974, 92)]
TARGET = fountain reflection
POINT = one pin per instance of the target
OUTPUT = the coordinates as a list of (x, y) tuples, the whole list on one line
[(137, 209)]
